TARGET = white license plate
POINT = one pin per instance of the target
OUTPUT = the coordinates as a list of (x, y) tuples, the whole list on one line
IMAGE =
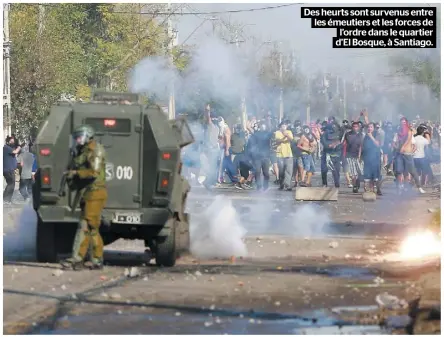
[(129, 218)]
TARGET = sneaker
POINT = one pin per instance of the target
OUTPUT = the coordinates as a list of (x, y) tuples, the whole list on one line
[(238, 186), (248, 185), (355, 190), (421, 190), (302, 184), (350, 185)]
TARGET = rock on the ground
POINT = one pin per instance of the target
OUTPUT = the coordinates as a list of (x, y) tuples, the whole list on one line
[(333, 244)]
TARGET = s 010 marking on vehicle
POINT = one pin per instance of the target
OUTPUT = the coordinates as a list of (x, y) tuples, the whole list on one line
[(133, 218), (109, 170), (124, 173)]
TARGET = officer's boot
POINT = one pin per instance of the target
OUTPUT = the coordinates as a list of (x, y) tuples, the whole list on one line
[(72, 264), (96, 249)]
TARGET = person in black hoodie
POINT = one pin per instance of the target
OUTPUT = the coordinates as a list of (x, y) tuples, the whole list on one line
[(331, 153), (259, 151)]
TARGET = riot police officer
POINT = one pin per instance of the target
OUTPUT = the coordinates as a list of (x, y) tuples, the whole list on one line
[(87, 178)]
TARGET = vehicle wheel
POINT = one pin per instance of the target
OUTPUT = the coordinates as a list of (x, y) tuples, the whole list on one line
[(46, 242), (183, 237), (166, 247)]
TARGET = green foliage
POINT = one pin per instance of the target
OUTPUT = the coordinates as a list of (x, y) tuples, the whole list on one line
[(74, 48), (46, 61), (424, 67)]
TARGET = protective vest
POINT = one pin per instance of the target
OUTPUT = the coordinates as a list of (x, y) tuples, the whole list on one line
[(91, 163)]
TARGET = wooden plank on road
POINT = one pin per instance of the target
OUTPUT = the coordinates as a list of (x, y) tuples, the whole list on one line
[(316, 194)]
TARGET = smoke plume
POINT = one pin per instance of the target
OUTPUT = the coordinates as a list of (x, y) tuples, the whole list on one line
[(19, 241), (217, 232)]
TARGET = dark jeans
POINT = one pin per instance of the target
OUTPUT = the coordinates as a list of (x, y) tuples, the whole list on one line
[(334, 166), (262, 165), (242, 164), (404, 164), (228, 166), (10, 185), (285, 171), (25, 188)]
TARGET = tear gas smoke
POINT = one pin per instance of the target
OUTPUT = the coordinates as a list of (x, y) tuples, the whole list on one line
[(20, 241), (310, 221), (217, 232), (152, 75), (266, 217), (214, 68)]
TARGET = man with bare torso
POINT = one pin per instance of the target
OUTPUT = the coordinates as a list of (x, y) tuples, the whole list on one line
[(307, 145), (404, 163)]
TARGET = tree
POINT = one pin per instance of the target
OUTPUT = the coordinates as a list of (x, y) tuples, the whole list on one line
[(75, 48), (422, 66), (46, 60)]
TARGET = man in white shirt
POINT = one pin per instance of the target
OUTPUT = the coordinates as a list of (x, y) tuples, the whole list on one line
[(422, 164)]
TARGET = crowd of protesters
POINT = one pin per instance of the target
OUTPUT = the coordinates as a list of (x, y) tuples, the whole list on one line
[(363, 150), (248, 156), (19, 163)]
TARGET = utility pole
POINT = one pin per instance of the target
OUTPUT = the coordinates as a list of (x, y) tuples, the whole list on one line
[(281, 94), (345, 98), (308, 99), (243, 99), (337, 100), (213, 23), (171, 42), (6, 72)]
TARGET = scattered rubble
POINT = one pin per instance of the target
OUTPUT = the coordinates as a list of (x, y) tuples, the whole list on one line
[(133, 272), (333, 244), (391, 302), (57, 272), (115, 296)]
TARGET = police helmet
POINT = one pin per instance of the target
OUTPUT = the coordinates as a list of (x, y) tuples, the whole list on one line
[(83, 134)]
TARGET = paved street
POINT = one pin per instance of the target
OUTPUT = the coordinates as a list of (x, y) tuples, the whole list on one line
[(309, 268)]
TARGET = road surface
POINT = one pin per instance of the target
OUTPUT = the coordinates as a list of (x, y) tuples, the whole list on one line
[(310, 269)]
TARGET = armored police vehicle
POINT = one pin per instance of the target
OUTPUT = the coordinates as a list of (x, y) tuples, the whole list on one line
[(146, 192)]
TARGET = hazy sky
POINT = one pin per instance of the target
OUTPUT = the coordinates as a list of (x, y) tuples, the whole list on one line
[(312, 46)]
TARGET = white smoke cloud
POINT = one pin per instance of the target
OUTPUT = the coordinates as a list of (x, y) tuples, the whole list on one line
[(217, 232), (19, 241)]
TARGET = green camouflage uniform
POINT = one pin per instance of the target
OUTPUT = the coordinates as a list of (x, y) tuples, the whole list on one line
[(89, 181)]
